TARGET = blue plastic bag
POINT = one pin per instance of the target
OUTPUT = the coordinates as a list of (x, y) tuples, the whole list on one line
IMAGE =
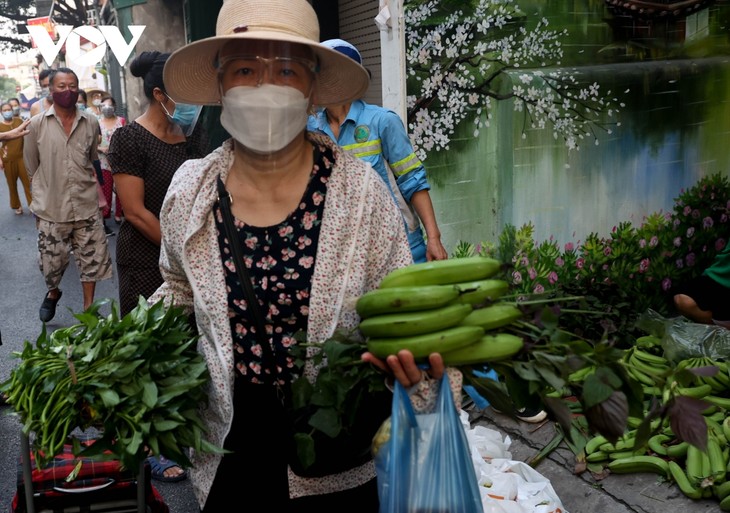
[(426, 465)]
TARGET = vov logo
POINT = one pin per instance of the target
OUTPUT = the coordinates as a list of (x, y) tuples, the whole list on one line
[(100, 36)]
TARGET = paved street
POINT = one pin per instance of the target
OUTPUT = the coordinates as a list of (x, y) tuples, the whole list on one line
[(23, 290)]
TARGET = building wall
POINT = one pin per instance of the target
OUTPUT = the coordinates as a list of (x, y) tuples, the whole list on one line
[(357, 26), (165, 32)]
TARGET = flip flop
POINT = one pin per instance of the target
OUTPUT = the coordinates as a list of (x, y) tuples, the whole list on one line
[(158, 465)]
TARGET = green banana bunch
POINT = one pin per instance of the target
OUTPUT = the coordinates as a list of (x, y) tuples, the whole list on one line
[(442, 306), (720, 382), (404, 299), (489, 348), (414, 323), (423, 345), (442, 272)]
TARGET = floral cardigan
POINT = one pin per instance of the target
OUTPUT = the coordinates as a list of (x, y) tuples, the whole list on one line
[(362, 239)]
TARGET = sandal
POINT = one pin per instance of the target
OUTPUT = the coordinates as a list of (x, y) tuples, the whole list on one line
[(158, 465), (19, 211)]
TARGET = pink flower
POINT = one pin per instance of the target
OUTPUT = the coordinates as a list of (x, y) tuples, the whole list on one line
[(607, 250), (723, 218), (677, 241), (653, 241), (525, 261), (533, 273), (687, 210), (679, 263), (642, 243), (517, 277), (696, 214), (306, 262), (285, 230), (559, 262), (644, 265), (690, 232), (690, 259), (580, 263), (539, 289), (676, 223), (720, 244), (707, 222), (666, 284), (569, 246), (553, 277)]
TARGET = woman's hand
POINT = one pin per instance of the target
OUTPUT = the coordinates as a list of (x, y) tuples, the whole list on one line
[(404, 368)]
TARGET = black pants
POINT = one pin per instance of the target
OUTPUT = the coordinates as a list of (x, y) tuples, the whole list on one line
[(253, 477)]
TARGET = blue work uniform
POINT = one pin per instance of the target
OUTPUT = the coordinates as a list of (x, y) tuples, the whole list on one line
[(377, 135)]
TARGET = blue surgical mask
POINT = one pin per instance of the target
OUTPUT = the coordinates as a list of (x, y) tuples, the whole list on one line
[(185, 116), (81, 106), (7, 115)]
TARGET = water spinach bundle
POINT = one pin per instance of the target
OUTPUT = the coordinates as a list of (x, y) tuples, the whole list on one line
[(138, 380)]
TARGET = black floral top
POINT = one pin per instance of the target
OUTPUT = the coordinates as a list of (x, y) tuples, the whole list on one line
[(280, 262)]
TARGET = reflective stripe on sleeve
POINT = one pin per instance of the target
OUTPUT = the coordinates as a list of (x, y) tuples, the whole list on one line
[(365, 149), (405, 165)]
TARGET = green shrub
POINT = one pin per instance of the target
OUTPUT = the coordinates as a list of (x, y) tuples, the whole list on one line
[(626, 273)]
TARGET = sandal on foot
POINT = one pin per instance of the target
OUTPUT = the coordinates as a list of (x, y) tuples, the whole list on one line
[(19, 211), (158, 465)]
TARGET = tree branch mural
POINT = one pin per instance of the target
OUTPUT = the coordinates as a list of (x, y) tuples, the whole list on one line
[(11, 13), (464, 56)]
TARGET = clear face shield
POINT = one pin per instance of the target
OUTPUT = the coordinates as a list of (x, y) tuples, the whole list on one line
[(185, 116), (266, 91)]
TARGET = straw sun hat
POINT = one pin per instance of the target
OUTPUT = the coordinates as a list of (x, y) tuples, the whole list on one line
[(190, 75)]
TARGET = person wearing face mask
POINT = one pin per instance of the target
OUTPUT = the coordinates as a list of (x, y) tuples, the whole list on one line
[(81, 102), (377, 135), (59, 152), (109, 122), (11, 155), (143, 157), (45, 100), (95, 98), (316, 227), (15, 103)]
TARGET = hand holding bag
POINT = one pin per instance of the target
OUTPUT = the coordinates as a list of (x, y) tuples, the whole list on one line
[(426, 466)]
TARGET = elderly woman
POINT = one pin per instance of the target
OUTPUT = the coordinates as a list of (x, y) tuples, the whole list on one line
[(316, 228)]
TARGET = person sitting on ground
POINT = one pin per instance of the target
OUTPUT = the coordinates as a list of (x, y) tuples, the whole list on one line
[(706, 298)]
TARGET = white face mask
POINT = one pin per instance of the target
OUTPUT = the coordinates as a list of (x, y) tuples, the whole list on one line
[(266, 118)]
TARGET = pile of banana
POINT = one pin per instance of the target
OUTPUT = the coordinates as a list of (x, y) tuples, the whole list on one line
[(444, 306), (698, 474)]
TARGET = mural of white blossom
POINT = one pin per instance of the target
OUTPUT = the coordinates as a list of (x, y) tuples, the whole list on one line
[(464, 56)]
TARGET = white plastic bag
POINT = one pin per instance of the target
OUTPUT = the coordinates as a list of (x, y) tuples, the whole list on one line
[(505, 485)]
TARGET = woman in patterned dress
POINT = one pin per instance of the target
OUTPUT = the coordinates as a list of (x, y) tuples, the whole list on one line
[(318, 229), (144, 155)]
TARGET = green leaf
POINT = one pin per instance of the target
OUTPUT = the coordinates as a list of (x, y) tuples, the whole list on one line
[(149, 394), (305, 449), (595, 391), (108, 397), (327, 421)]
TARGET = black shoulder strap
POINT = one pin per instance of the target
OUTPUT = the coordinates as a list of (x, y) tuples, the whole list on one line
[(252, 302)]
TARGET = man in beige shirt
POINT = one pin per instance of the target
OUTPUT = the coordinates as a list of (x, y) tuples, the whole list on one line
[(58, 152)]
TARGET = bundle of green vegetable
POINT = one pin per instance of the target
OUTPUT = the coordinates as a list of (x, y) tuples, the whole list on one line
[(138, 380)]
